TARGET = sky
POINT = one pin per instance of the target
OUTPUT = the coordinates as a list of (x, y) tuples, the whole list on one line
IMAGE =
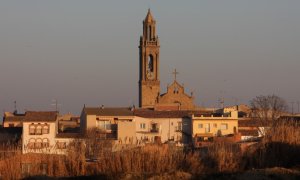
[(86, 52)]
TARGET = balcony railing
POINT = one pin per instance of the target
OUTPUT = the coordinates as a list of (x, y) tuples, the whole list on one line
[(154, 130), (178, 129), (104, 135)]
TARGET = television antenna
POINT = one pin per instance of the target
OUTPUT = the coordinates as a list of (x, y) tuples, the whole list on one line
[(56, 104)]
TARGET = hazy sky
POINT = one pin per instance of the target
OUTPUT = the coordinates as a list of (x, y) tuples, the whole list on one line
[(86, 52)]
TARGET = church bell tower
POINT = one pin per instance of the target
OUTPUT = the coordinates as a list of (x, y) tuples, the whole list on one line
[(149, 84)]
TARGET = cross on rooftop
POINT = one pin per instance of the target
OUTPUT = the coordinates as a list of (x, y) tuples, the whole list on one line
[(175, 74)]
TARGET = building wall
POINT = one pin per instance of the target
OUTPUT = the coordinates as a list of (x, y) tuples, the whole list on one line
[(214, 126), (149, 91), (55, 143), (126, 132), (200, 124), (176, 95), (167, 129), (27, 138), (61, 145), (90, 121), (14, 123)]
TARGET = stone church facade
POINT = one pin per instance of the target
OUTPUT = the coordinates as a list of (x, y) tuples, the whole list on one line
[(149, 83)]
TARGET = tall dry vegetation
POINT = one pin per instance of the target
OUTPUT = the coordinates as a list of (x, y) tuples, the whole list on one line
[(280, 147)]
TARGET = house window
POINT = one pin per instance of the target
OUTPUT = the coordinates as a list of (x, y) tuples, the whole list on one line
[(38, 144), (154, 127), (207, 128), (224, 126), (200, 126), (179, 126), (45, 143), (31, 143), (143, 126), (104, 125), (38, 130), (215, 125), (46, 129), (31, 129), (11, 125), (61, 145)]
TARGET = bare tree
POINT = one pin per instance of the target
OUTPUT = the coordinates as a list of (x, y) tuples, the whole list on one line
[(96, 143), (267, 109)]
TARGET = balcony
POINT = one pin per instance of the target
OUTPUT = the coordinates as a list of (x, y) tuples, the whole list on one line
[(154, 130), (178, 128), (108, 132)]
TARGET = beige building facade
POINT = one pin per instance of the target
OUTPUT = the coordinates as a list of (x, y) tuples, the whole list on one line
[(163, 126), (113, 123), (208, 126), (138, 126), (40, 134), (13, 119)]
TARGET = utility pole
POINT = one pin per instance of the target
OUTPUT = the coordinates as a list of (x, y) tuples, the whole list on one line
[(298, 103)]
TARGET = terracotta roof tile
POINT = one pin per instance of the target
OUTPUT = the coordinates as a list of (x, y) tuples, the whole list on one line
[(245, 132), (40, 116), (107, 111), (253, 123), (69, 135), (14, 118), (163, 114)]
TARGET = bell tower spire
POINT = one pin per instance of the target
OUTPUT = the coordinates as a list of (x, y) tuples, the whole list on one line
[(149, 27), (149, 84)]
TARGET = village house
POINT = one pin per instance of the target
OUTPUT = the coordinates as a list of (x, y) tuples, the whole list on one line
[(12, 119), (206, 127), (68, 123), (163, 126), (40, 133), (113, 123), (137, 126)]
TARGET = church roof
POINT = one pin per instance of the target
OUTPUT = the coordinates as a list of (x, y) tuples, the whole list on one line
[(149, 17), (108, 111)]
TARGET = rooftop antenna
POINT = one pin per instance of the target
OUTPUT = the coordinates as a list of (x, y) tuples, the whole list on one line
[(221, 99), (15, 106), (292, 107), (55, 103)]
